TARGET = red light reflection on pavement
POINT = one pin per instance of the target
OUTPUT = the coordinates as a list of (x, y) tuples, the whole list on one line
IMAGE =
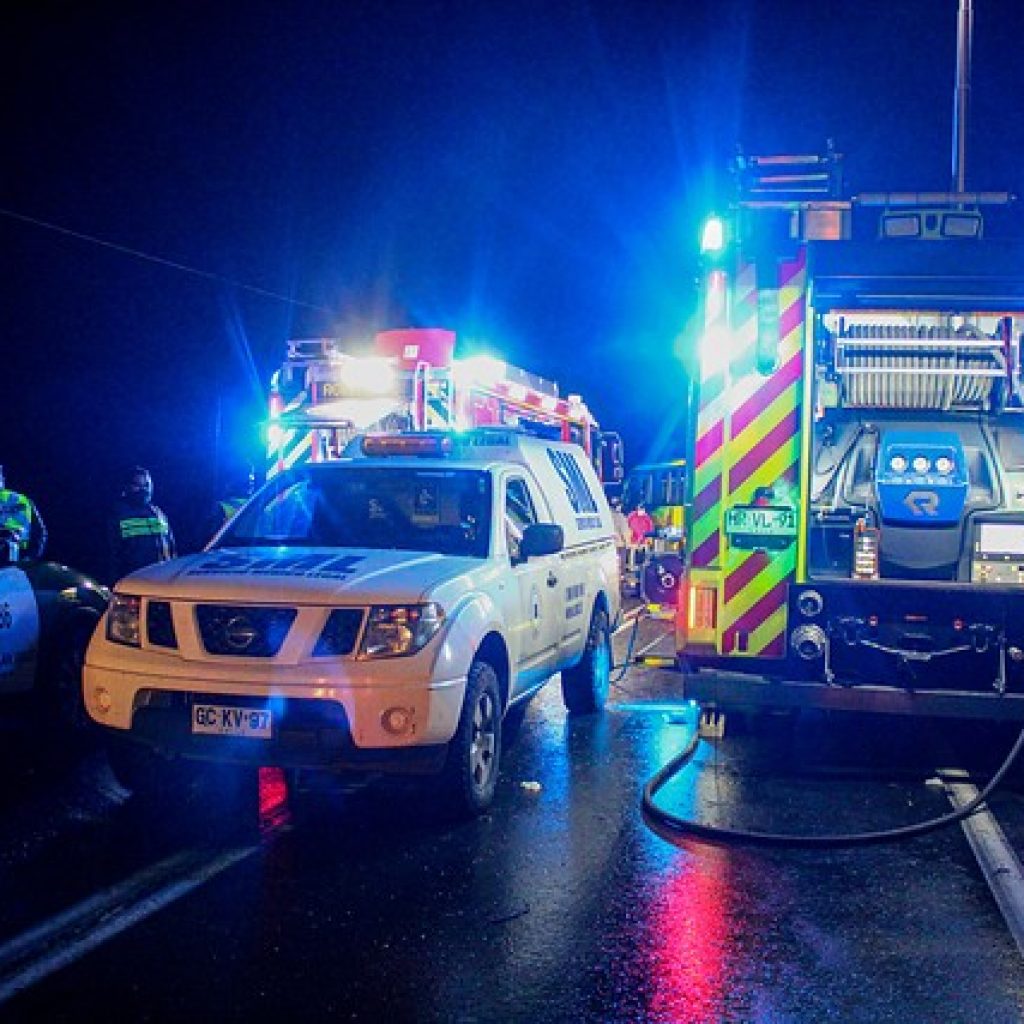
[(273, 798), (689, 936)]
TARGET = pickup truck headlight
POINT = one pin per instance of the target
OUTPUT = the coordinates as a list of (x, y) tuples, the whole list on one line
[(396, 630), (123, 620)]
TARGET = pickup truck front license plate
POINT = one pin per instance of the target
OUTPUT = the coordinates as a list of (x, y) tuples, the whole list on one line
[(218, 720)]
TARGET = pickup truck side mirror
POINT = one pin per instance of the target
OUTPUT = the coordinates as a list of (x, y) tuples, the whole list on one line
[(541, 539)]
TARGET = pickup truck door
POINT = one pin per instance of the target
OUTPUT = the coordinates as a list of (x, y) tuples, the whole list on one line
[(538, 628)]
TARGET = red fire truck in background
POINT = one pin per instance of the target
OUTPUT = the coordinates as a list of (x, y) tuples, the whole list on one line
[(323, 395)]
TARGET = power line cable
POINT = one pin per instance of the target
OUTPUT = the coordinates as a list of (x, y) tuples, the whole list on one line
[(174, 265)]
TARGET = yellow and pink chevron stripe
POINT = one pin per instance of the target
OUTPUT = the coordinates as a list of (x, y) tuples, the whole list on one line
[(747, 445)]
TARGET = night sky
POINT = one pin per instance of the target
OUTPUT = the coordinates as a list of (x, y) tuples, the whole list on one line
[(531, 175)]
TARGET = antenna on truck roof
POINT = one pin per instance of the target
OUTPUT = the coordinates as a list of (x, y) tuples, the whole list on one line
[(962, 93)]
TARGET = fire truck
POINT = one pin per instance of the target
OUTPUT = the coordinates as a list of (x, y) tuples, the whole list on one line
[(855, 536), (323, 395)]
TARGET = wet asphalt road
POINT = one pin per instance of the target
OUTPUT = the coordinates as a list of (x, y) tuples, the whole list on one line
[(558, 905)]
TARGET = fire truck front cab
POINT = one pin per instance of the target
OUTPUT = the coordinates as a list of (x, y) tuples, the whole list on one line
[(856, 540)]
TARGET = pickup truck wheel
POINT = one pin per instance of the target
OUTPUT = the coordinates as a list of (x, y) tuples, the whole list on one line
[(224, 796), (470, 773), (138, 769), (585, 686)]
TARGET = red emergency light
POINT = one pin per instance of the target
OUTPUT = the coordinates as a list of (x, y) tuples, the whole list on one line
[(407, 444)]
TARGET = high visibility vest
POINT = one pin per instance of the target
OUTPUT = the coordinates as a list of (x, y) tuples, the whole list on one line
[(230, 507), (144, 526), (16, 515)]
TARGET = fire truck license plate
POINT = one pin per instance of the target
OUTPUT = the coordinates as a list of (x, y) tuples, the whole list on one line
[(217, 720), (760, 521)]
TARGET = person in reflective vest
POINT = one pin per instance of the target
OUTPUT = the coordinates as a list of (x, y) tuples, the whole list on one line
[(236, 494), (138, 532), (21, 525)]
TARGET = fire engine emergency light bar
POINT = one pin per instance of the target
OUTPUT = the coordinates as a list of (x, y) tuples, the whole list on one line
[(407, 444)]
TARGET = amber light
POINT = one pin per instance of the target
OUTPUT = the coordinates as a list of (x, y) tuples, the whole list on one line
[(866, 544), (702, 608), (406, 444)]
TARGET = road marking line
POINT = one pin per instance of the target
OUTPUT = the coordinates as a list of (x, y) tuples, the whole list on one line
[(29, 958), (92, 905), (628, 618), (999, 864), (653, 643)]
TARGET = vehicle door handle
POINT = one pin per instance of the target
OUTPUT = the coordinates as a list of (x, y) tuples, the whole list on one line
[(552, 580)]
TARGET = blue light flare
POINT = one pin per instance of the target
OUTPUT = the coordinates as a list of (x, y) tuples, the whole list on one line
[(712, 237)]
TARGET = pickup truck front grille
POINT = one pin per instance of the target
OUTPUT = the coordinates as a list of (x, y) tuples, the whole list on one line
[(243, 631), (340, 633), (160, 625)]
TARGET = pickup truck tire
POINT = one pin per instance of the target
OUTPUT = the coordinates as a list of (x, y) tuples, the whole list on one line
[(138, 769), (224, 796), (585, 685), (151, 777), (466, 783)]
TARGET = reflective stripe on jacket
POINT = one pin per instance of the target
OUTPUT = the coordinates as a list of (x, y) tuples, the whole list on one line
[(145, 526), (137, 535)]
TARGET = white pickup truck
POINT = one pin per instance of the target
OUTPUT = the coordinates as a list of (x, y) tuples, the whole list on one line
[(380, 613)]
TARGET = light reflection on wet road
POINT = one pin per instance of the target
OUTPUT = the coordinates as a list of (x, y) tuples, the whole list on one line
[(559, 905)]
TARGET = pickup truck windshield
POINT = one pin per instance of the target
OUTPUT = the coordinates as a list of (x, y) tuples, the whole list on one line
[(352, 506)]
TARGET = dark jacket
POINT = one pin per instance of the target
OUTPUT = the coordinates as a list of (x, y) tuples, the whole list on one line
[(137, 535)]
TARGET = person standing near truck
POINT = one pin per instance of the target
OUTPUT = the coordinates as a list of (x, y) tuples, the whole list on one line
[(623, 536), (20, 522), (238, 491), (641, 525), (138, 532)]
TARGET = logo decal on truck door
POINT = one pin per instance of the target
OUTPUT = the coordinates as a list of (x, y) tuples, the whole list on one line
[(313, 566), (577, 490)]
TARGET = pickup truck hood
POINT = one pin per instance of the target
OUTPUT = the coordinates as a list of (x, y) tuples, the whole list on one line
[(307, 576)]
